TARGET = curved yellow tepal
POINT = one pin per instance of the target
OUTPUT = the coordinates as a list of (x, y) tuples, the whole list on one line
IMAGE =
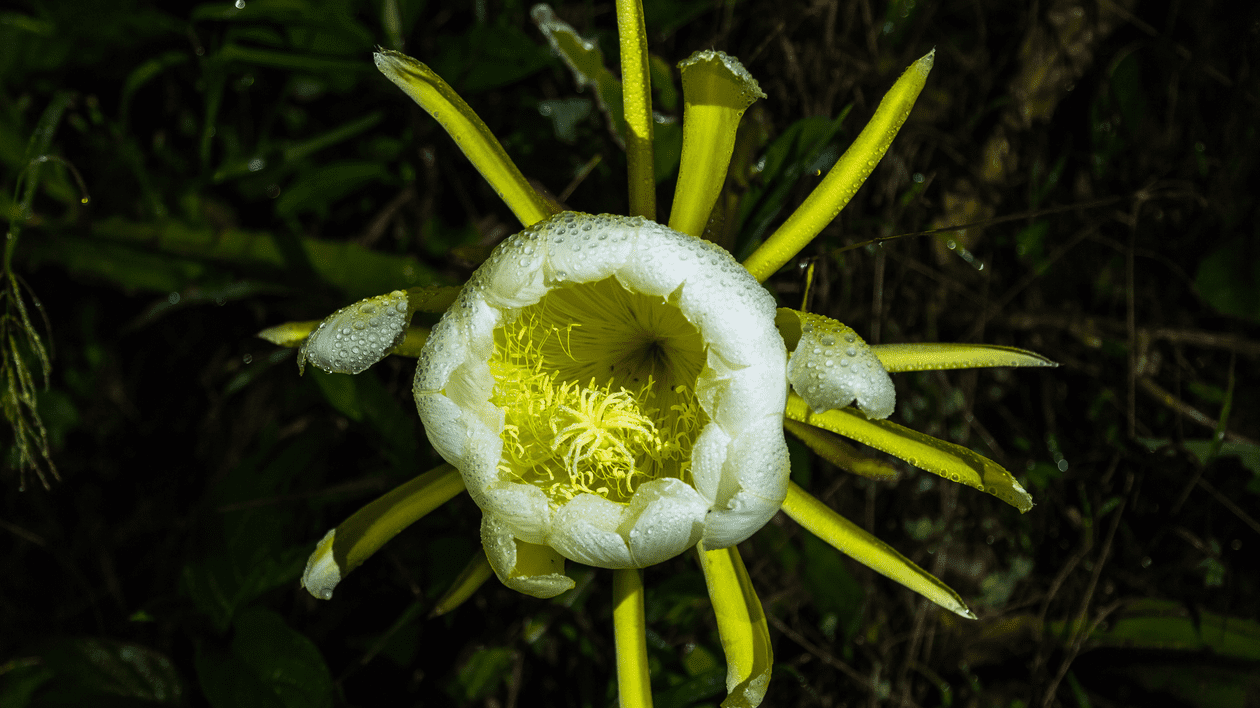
[(289, 334), (953, 462), (473, 137), (717, 89), (831, 448), (470, 579), (853, 541), (844, 178), (346, 547), (939, 357), (741, 626)]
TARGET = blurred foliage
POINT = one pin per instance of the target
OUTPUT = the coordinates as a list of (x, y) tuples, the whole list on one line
[(176, 178)]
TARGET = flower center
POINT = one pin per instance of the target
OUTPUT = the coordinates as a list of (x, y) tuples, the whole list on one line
[(597, 385)]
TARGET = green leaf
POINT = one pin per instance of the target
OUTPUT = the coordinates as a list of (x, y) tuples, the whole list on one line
[(1163, 624), (220, 584), (285, 660), (91, 666), (833, 587), (1248, 455), (145, 73), (364, 398), (228, 682), (1229, 278), (316, 64), (118, 264), (20, 679), (487, 57), (483, 672), (247, 551), (354, 269), (318, 189), (1191, 682), (784, 164), (704, 687), (585, 59)]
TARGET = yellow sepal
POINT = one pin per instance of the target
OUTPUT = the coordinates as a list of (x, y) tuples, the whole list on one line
[(717, 89), (469, 132), (844, 178), (741, 626), (939, 357), (853, 541), (953, 462), (831, 448), (472, 577), (346, 547), (289, 334)]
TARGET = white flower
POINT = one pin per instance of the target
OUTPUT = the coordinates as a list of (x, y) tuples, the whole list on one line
[(611, 389)]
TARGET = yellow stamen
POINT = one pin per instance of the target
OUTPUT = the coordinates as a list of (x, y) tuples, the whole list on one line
[(570, 432)]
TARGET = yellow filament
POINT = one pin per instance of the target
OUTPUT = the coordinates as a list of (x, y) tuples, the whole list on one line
[(569, 437)]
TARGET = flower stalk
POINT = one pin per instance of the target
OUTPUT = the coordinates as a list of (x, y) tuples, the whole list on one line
[(630, 638)]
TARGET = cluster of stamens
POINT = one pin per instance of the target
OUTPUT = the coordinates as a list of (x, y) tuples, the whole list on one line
[(570, 437)]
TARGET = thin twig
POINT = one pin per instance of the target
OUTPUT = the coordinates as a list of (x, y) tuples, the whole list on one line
[(1079, 633), (821, 654)]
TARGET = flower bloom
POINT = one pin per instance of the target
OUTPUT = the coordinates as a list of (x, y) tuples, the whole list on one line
[(612, 389)]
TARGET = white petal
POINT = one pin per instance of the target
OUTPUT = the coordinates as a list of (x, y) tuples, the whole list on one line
[(445, 350), (736, 397), (322, 572), (584, 250), (733, 311), (757, 471), (513, 275), (502, 548), (442, 425), (665, 517), (744, 515), (661, 261), (758, 458), (357, 336), (585, 530), (480, 468), (708, 460), (523, 508), (833, 367)]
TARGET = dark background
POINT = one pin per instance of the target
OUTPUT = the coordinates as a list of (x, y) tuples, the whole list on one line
[(1106, 146)]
